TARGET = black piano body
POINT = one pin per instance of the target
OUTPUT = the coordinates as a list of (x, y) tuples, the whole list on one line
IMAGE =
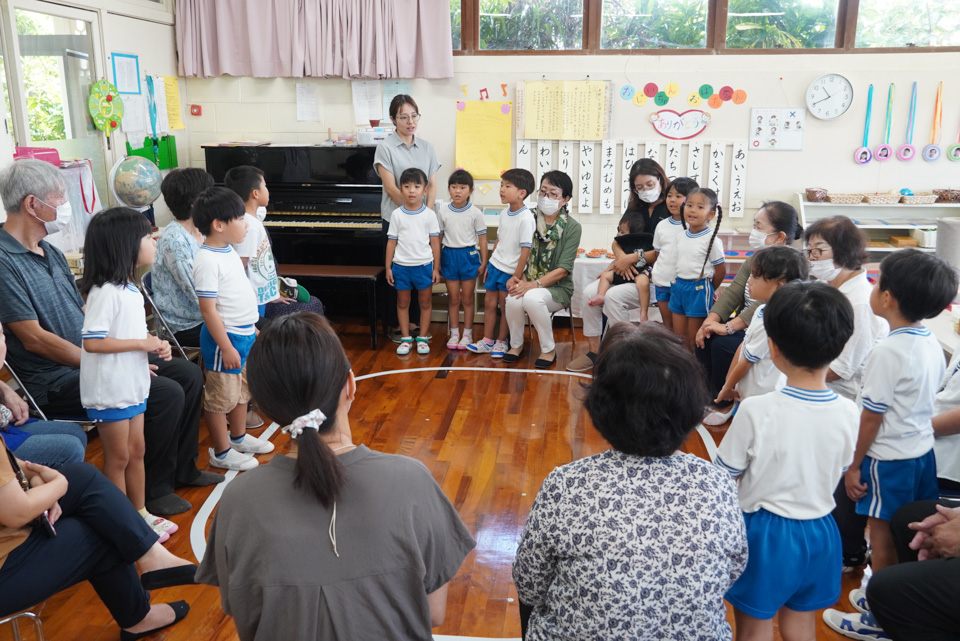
[(324, 205)]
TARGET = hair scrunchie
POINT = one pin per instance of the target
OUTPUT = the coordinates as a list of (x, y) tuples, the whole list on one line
[(313, 420)]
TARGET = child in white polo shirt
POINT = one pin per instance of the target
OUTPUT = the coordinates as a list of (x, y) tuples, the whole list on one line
[(789, 449), (752, 371), (229, 308), (463, 255), (114, 370), (509, 258), (413, 258), (894, 462)]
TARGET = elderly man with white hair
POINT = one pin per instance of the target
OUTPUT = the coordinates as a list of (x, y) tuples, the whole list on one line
[(42, 315)]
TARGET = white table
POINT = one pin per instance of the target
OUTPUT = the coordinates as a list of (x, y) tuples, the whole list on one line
[(943, 328), (585, 271)]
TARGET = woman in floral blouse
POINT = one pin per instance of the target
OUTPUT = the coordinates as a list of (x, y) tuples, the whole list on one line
[(640, 541), (176, 247)]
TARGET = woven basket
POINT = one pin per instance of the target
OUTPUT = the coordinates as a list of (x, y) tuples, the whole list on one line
[(816, 194), (947, 195), (922, 198), (882, 199), (844, 199)]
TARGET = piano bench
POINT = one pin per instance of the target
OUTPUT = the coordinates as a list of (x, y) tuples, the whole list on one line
[(367, 275)]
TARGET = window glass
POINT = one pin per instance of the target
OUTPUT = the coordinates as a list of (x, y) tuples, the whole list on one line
[(907, 23), (57, 58), (781, 24), (540, 25), (654, 24), (455, 24)]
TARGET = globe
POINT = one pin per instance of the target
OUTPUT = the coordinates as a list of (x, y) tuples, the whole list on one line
[(135, 181)]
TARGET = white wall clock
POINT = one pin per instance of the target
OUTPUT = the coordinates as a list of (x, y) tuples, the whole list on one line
[(829, 96)]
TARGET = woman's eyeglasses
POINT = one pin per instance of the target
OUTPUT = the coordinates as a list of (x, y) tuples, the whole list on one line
[(407, 119), (816, 252)]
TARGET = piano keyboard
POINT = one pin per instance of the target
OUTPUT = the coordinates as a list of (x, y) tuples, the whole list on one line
[(324, 224)]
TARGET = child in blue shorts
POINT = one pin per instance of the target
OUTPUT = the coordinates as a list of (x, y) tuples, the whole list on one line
[(228, 305), (463, 254), (789, 449), (894, 460), (413, 258), (509, 257), (691, 293), (664, 242)]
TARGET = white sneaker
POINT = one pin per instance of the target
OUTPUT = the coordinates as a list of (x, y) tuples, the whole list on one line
[(454, 341), (858, 599), (480, 347), (466, 340), (854, 625), (252, 445), (160, 525), (499, 349), (233, 460)]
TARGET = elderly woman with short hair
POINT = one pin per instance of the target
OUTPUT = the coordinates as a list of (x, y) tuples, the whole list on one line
[(640, 540)]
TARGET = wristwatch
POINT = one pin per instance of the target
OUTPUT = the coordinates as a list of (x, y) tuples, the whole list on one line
[(539, 284), (729, 329)]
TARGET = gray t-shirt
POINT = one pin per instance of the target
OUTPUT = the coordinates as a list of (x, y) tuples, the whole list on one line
[(398, 538), (396, 157), (40, 288)]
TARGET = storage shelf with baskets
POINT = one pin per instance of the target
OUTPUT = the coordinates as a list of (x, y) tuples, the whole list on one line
[(879, 221)]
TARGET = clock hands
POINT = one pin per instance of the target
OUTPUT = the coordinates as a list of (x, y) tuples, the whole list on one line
[(822, 99)]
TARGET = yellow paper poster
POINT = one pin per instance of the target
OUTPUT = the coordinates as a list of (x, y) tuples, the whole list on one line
[(483, 137), (172, 88), (566, 110)]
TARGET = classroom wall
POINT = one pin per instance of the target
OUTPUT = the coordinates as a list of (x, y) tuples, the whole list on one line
[(265, 109)]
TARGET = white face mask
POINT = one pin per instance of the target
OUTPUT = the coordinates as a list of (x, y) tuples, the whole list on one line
[(649, 196), (61, 222), (758, 239), (261, 213), (824, 270), (547, 206)]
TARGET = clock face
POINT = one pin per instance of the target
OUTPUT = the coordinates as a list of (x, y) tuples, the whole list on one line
[(829, 96)]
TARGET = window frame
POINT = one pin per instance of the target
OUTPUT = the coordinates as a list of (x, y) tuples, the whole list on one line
[(845, 40)]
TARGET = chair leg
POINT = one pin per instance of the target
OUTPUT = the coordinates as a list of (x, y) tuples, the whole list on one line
[(573, 327)]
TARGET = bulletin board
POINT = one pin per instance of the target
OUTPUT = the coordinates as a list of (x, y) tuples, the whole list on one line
[(483, 137), (563, 110)]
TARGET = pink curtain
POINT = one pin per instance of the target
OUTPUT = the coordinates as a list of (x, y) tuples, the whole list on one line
[(316, 38)]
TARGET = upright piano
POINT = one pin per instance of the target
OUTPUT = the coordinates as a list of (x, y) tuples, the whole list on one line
[(324, 211), (324, 201)]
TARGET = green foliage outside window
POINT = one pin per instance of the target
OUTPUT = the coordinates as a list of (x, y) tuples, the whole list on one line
[(541, 25), (43, 84), (908, 23), (654, 24), (781, 24)]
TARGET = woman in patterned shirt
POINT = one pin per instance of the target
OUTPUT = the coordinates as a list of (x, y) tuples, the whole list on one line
[(640, 541)]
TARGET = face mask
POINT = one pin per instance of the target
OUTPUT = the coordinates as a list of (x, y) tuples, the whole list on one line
[(547, 206), (824, 270), (261, 213), (757, 238), (649, 196), (61, 222)]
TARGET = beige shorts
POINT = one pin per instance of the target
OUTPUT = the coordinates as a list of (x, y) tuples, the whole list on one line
[(223, 392)]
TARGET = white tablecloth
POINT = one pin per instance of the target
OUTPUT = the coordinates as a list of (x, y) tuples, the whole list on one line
[(585, 271)]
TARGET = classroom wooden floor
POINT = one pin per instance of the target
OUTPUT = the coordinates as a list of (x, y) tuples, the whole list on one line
[(489, 435)]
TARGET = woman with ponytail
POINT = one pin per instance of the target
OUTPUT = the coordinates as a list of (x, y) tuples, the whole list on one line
[(332, 540)]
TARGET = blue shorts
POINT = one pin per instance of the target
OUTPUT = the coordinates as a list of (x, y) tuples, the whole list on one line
[(459, 263), (407, 278), (792, 563), (893, 484), (496, 279), (213, 357), (116, 414), (691, 298), (662, 293)]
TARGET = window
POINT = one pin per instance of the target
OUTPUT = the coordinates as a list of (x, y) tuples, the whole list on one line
[(654, 24), (56, 65), (541, 25), (908, 23), (781, 24), (455, 23)]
